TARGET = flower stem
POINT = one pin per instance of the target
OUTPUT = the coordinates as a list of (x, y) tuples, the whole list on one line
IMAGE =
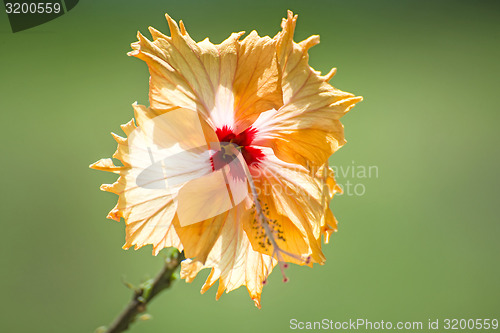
[(145, 293)]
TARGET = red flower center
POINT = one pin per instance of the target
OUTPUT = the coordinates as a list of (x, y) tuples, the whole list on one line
[(243, 141)]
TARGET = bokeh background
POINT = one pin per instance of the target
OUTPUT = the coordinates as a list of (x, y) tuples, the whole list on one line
[(422, 242)]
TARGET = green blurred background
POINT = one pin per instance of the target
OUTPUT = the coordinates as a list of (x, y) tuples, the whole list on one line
[(422, 242)]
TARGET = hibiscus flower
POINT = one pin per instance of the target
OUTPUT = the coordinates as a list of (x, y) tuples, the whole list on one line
[(229, 163)]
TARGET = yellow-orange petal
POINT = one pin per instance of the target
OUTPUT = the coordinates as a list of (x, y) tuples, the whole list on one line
[(288, 237), (292, 194), (325, 178), (233, 262), (228, 83), (199, 238), (306, 129), (161, 152)]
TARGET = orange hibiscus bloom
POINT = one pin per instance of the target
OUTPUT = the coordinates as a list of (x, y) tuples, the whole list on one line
[(229, 163)]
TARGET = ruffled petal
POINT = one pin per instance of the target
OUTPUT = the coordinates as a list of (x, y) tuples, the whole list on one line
[(306, 129), (292, 243), (233, 261), (160, 154), (229, 84), (293, 201), (325, 178)]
